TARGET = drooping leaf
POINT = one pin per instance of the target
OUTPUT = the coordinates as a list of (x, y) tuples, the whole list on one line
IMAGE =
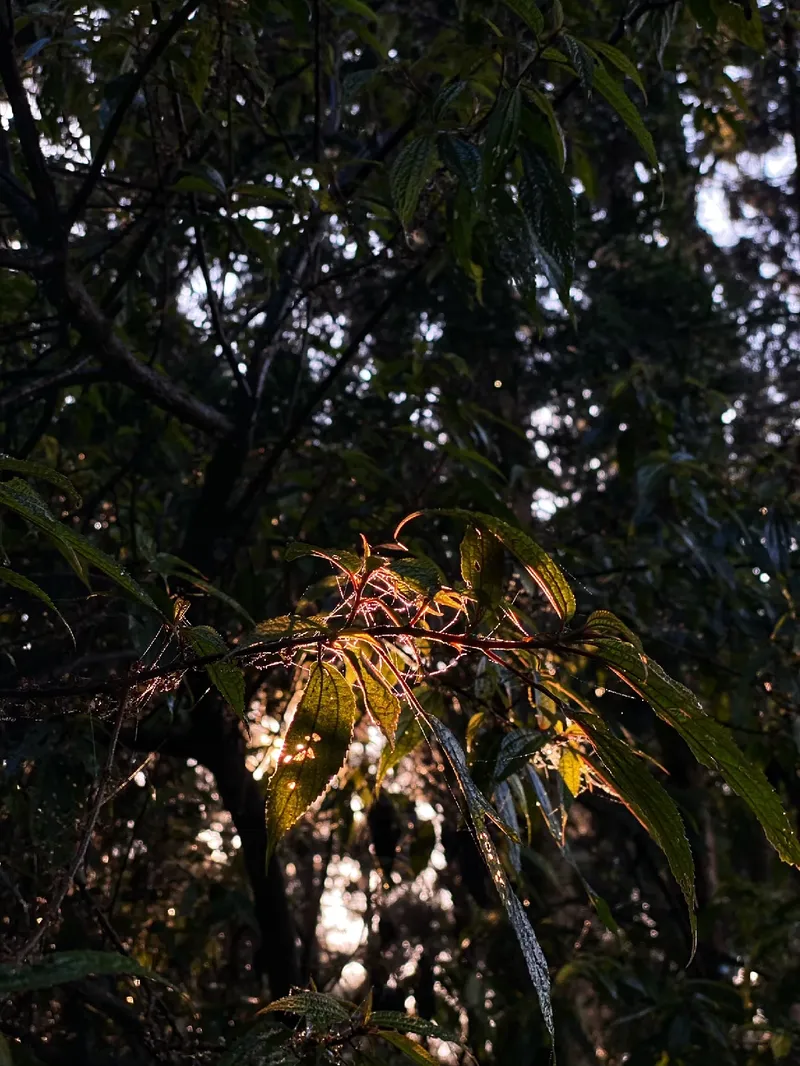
[(482, 566), (171, 566), (60, 967), (627, 111), (412, 168), (537, 563), (18, 496), (542, 101), (515, 750), (710, 742), (582, 60), (314, 749), (226, 677), (549, 209), (621, 62), (414, 1052), (407, 737), (42, 472), (11, 577), (319, 1009), (409, 1023), (380, 700), (508, 812), (502, 130), (604, 623), (629, 777), (479, 806), (529, 13)]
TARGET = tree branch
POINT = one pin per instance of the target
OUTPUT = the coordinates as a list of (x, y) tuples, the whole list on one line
[(133, 86), (98, 331)]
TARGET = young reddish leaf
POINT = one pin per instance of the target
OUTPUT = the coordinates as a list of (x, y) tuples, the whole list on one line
[(314, 749)]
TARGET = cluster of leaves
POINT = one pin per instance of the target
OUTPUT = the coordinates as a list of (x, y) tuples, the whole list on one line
[(396, 627)]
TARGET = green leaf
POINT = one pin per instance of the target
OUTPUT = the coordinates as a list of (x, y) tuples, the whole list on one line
[(515, 750), (582, 60), (285, 627), (383, 705), (629, 777), (408, 1023), (226, 677), (447, 96), (20, 497), (314, 749), (358, 7), (63, 966), (420, 576), (43, 473), (171, 566), (710, 742), (627, 111), (462, 159), (508, 812), (415, 1052), (407, 737), (482, 564), (529, 13), (321, 1010), (502, 130), (549, 210), (542, 101), (537, 563), (606, 624), (411, 169), (742, 20), (348, 562), (10, 577), (621, 62), (265, 1044)]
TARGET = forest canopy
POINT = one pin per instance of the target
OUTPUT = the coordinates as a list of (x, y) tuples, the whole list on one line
[(399, 499)]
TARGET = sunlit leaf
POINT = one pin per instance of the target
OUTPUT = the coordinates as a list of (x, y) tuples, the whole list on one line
[(314, 749), (346, 561), (604, 623), (409, 1023), (570, 767), (407, 737), (316, 1006), (482, 562), (414, 1052), (226, 677), (537, 563), (381, 702), (285, 627)]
